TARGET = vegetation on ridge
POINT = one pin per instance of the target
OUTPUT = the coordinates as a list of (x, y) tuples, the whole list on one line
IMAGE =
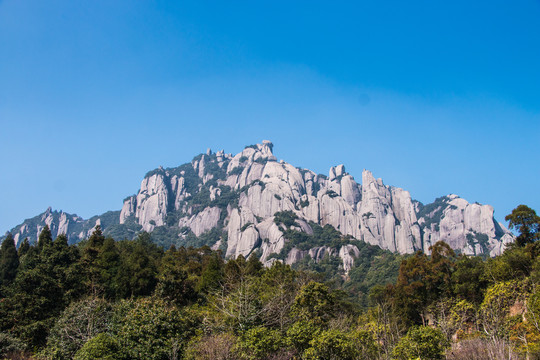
[(130, 299)]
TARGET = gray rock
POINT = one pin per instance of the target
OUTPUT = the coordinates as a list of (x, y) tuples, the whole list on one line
[(371, 211), (203, 221)]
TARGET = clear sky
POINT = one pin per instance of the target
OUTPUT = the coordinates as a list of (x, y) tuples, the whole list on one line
[(434, 97)]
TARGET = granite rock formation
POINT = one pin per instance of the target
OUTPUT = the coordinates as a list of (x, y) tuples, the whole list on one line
[(231, 201)]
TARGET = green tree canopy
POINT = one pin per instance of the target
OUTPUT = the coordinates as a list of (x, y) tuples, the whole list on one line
[(9, 261), (45, 238), (525, 220), (421, 342), (314, 302)]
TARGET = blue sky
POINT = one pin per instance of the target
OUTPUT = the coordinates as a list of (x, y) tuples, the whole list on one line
[(435, 97)]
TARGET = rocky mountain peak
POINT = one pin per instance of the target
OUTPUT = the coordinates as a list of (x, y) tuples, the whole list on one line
[(336, 172), (249, 203)]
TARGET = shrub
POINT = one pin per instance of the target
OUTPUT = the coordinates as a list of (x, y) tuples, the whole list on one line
[(237, 170), (212, 347), (246, 225), (332, 344), (300, 334), (286, 218), (421, 342), (9, 345), (80, 322), (332, 193), (149, 328), (260, 343), (103, 346)]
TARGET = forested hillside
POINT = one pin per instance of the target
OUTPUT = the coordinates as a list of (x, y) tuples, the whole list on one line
[(131, 299)]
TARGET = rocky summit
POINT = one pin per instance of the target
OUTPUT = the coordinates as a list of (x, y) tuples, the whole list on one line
[(250, 203)]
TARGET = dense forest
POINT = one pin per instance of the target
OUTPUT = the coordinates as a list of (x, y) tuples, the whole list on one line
[(131, 299)]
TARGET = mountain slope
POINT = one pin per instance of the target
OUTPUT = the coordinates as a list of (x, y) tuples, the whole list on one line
[(251, 203)]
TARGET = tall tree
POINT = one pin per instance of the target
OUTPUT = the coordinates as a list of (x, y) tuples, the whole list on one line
[(45, 238), (468, 280), (108, 263), (254, 266), (173, 282), (9, 261), (410, 295), (137, 274), (24, 247), (47, 281), (315, 302), (96, 239), (212, 274), (442, 265), (525, 220), (91, 253)]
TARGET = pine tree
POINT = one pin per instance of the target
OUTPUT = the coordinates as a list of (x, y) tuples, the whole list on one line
[(9, 261), (90, 256), (212, 274), (254, 266), (24, 247), (108, 264), (137, 275), (173, 281), (96, 239), (47, 282), (45, 238)]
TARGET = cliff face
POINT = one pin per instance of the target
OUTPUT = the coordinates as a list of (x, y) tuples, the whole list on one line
[(231, 201), (371, 211)]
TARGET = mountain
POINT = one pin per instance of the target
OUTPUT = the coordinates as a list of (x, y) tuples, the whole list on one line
[(251, 203)]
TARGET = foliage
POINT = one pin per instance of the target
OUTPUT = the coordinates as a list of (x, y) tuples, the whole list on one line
[(45, 238), (212, 347), (130, 299), (80, 322), (245, 226), (103, 346), (280, 284), (332, 193), (287, 218), (421, 342), (495, 307), (300, 334), (260, 342), (468, 281), (49, 279), (173, 280), (10, 345), (332, 344), (149, 328), (423, 280), (236, 171), (315, 302), (137, 274), (9, 261), (524, 219)]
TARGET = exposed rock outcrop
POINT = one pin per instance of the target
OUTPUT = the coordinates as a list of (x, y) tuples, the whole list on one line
[(469, 227), (203, 221), (240, 194)]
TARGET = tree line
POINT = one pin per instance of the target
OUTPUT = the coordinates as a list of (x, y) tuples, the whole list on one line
[(130, 299)]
